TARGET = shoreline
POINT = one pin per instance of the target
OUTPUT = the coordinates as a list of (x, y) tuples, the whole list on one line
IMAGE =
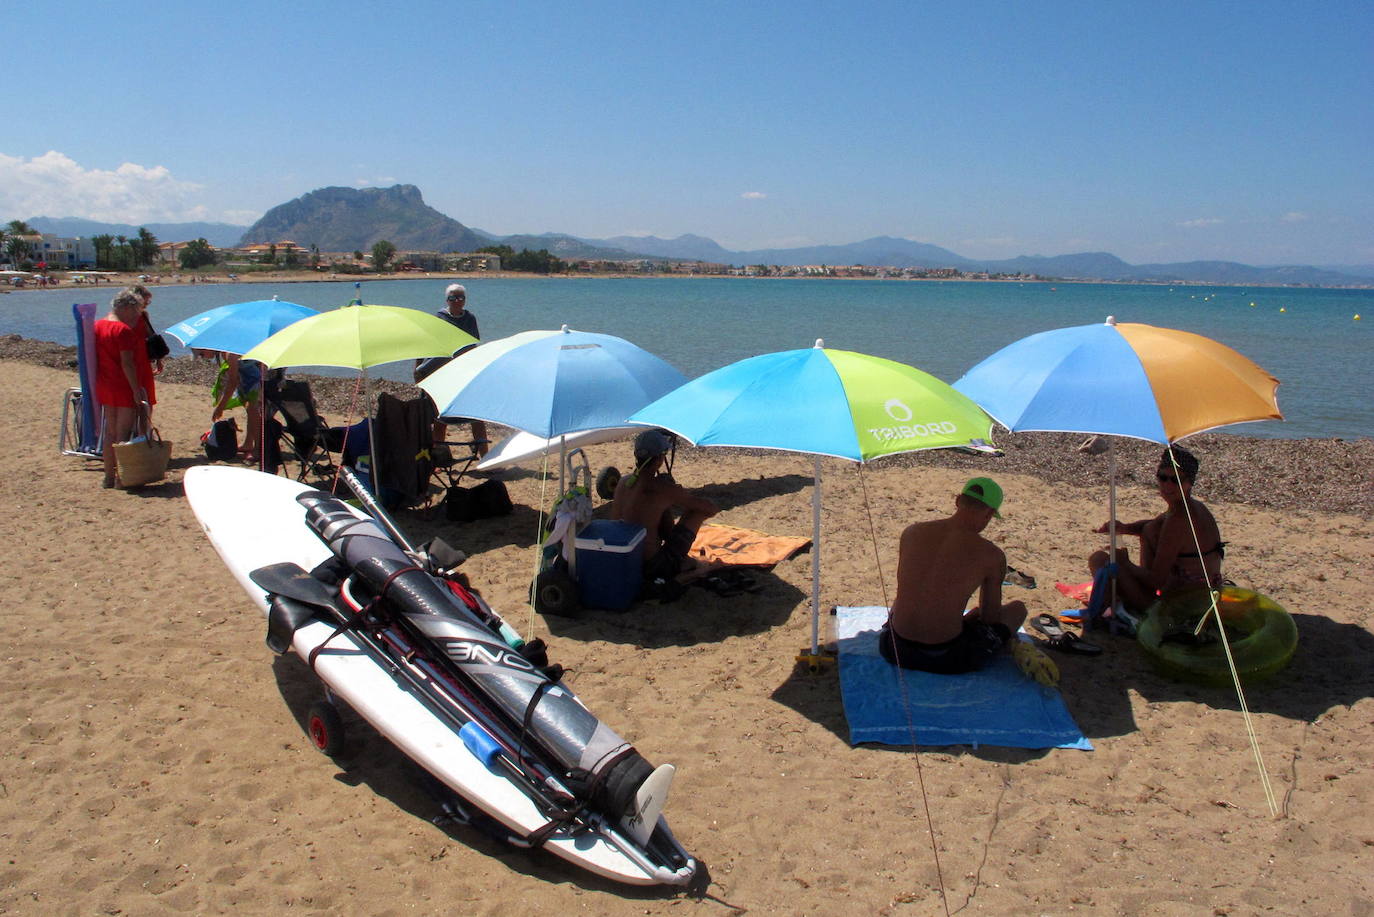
[(124, 279), (1270, 473)]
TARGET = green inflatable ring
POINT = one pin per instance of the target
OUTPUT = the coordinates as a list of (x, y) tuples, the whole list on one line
[(1262, 635)]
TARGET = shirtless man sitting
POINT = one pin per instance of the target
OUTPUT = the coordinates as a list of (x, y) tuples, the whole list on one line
[(939, 566), (647, 497)]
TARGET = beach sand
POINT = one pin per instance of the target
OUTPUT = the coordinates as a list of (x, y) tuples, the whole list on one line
[(156, 763)]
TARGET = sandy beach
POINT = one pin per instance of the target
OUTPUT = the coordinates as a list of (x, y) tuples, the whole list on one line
[(157, 762)]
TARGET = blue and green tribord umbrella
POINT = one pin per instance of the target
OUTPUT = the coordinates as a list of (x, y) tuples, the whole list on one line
[(824, 403)]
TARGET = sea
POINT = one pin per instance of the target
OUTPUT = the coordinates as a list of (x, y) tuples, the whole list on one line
[(1318, 342)]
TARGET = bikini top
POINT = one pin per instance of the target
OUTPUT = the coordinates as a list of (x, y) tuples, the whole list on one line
[(1219, 550)]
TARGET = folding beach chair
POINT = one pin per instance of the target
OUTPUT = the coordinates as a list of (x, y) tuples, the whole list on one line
[(81, 416), (302, 435)]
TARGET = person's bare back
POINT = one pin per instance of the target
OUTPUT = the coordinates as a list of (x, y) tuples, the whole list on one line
[(941, 564)]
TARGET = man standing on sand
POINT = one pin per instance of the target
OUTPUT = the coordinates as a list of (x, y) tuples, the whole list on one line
[(647, 497), (940, 564), (456, 314)]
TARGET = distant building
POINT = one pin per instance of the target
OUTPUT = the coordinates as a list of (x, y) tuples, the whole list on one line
[(60, 252)]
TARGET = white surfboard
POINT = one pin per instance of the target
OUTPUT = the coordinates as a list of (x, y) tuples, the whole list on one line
[(525, 446), (253, 520)]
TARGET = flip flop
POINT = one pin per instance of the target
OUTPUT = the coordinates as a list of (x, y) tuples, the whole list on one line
[(1072, 643), (1047, 625), (717, 585), (1016, 578)]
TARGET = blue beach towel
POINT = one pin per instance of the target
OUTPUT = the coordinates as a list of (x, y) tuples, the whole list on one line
[(996, 705)]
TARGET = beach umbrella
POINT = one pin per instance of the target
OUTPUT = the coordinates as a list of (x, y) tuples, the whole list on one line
[(360, 336), (1133, 380), (1121, 379), (552, 383), (238, 327), (823, 403)]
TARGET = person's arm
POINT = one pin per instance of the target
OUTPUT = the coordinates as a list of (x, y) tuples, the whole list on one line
[(990, 590), (1126, 528), (229, 388), (689, 502)]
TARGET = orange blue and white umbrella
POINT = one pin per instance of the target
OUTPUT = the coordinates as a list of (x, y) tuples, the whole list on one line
[(1121, 379)]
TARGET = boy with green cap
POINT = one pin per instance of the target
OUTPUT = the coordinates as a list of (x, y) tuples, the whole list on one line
[(940, 564)]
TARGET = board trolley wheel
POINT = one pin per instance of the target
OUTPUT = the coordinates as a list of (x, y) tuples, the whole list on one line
[(325, 728), (555, 593), (606, 480)]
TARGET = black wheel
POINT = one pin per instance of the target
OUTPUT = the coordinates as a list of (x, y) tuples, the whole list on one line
[(606, 480), (325, 728), (555, 593)]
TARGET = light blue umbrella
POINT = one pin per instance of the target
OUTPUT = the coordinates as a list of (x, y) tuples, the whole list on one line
[(552, 383), (821, 402), (238, 327)]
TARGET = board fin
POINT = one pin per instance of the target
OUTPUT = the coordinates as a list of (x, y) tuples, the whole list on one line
[(649, 801), (292, 581)]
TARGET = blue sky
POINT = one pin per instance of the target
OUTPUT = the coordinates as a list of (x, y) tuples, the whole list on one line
[(1160, 131)]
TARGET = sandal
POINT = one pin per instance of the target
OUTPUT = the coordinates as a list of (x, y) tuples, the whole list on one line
[(718, 585), (1062, 640)]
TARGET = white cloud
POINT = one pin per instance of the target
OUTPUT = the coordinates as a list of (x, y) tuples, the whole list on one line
[(55, 185), (384, 181), (1295, 216), (1200, 223), (753, 195)]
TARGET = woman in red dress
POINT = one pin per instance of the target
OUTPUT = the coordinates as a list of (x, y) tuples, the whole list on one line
[(123, 376)]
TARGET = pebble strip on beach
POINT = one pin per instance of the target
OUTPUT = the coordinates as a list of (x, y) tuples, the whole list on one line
[(1325, 475)]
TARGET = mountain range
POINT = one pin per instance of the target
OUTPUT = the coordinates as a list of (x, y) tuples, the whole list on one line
[(352, 219)]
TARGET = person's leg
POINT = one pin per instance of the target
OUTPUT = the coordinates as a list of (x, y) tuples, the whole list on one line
[(253, 435), (479, 436), (119, 423), (1132, 581), (1011, 616)]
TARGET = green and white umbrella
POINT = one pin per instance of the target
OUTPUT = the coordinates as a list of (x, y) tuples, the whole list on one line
[(820, 402)]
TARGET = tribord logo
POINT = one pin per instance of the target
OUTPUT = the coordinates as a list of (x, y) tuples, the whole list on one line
[(900, 412)]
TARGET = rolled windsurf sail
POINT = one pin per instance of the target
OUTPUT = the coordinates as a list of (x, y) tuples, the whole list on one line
[(537, 708)]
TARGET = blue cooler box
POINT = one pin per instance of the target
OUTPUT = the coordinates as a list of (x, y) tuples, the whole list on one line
[(610, 563)]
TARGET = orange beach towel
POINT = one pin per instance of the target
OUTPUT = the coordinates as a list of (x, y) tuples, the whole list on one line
[(725, 544)]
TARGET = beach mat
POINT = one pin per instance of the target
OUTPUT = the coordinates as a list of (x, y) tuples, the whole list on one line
[(725, 544), (996, 705)]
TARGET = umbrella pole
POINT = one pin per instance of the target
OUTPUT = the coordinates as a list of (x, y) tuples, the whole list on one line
[(816, 562), (373, 478), (1111, 513)]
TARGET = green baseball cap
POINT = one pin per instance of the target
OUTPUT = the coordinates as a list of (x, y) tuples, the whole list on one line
[(985, 491)]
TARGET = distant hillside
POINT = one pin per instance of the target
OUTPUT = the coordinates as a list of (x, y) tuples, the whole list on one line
[(570, 248), (689, 247), (353, 219), (220, 235)]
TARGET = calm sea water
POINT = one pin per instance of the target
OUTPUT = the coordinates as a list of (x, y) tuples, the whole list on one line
[(1307, 338)]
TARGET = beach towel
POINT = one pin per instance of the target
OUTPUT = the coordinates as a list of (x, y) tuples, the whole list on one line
[(996, 705), (725, 544)]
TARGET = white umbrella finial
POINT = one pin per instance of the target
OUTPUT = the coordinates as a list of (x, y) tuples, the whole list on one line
[(1111, 320), (566, 329), (820, 343)]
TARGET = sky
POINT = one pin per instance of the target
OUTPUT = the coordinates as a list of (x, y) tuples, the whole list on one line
[(1158, 131)]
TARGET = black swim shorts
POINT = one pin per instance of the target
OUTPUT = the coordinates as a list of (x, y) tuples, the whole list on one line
[(976, 644), (667, 563)]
